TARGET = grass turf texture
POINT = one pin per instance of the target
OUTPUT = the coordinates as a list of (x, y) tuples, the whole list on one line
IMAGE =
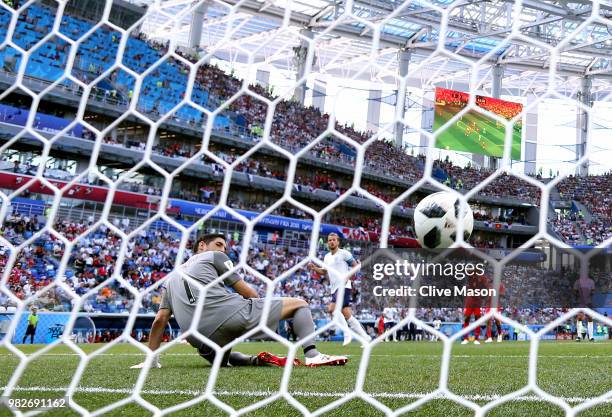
[(398, 373), (493, 137)]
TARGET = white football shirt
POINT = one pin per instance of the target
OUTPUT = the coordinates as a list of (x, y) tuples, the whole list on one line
[(389, 314), (338, 265)]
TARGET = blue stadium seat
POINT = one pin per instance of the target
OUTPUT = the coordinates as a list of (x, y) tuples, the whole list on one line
[(138, 57)]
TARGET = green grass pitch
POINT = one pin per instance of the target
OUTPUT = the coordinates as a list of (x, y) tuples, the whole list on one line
[(488, 141), (398, 374)]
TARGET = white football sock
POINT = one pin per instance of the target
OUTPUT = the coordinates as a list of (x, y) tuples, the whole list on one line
[(579, 329), (590, 329), (356, 326), (344, 326)]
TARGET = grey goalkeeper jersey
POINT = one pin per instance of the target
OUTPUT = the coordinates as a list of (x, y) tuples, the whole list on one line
[(219, 303)]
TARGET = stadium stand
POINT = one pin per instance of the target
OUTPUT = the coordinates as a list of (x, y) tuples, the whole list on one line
[(152, 254), (594, 192), (294, 126)]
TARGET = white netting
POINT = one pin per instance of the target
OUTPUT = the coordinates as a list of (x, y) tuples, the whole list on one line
[(163, 16)]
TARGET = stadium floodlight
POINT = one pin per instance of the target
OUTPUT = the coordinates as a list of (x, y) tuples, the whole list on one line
[(349, 20)]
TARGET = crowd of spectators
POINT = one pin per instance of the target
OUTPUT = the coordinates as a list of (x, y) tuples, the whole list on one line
[(570, 225), (565, 224), (148, 257), (594, 192), (36, 264), (209, 194), (532, 296), (270, 167), (152, 254), (503, 186), (526, 316), (509, 218), (294, 126)]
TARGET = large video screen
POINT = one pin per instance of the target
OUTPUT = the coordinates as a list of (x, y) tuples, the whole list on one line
[(475, 132)]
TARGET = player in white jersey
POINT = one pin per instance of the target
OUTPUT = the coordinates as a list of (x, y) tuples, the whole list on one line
[(338, 264), (437, 324), (390, 318)]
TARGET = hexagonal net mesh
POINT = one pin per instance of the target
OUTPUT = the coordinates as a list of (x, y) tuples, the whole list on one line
[(94, 60)]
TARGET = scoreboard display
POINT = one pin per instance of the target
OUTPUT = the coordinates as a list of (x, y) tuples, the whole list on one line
[(474, 131)]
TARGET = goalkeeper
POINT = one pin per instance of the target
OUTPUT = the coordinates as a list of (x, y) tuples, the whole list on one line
[(228, 315)]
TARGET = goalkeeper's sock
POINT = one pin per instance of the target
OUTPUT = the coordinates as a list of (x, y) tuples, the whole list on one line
[(590, 329), (357, 328), (240, 359), (304, 327)]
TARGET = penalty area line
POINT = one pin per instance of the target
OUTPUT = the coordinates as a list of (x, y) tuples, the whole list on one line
[(312, 394)]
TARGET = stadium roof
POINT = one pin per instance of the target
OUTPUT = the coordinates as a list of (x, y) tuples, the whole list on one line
[(579, 30)]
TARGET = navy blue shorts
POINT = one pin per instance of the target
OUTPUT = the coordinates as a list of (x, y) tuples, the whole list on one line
[(348, 297)]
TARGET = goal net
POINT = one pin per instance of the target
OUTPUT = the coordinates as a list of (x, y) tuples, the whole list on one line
[(128, 130)]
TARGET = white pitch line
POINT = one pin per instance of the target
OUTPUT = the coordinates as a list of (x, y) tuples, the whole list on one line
[(104, 354), (476, 356), (312, 394)]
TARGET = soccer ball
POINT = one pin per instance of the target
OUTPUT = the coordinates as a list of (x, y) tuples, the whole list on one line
[(435, 220)]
